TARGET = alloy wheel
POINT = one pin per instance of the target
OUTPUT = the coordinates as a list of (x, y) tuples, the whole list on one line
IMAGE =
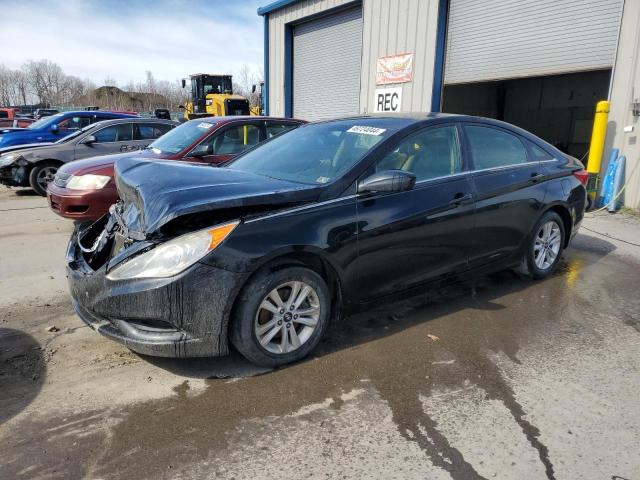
[(547, 245), (287, 317), (46, 176)]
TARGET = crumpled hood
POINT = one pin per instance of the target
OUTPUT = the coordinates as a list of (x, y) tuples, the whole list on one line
[(155, 192)]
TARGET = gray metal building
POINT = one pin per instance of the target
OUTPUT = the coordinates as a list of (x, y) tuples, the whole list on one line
[(539, 64)]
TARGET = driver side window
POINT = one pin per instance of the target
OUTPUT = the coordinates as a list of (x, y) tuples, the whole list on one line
[(235, 140), (429, 153), (74, 123)]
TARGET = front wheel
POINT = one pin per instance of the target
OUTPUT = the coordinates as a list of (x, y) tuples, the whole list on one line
[(544, 247), (41, 175), (281, 316)]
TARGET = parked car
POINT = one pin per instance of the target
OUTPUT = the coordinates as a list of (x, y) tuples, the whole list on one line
[(11, 118), (36, 165), (44, 112), (15, 122), (322, 220), (85, 190), (55, 127)]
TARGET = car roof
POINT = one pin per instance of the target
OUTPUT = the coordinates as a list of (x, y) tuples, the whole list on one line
[(402, 120), (116, 121), (97, 113), (231, 118)]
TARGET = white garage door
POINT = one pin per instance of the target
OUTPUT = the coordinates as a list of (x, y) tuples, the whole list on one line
[(498, 39), (326, 66)]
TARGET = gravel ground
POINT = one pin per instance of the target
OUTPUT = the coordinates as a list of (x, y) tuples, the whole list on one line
[(501, 377)]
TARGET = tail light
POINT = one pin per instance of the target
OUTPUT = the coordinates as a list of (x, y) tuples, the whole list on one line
[(582, 176)]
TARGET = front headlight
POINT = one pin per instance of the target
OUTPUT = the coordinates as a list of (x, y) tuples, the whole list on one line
[(174, 256), (6, 159), (87, 182)]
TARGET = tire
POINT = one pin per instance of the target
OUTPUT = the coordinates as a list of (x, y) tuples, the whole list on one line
[(252, 322), (547, 239), (589, 204), (41, 174)]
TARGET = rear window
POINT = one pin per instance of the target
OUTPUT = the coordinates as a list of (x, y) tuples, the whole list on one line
[(493, 148), (275, 129), (115, 133), (537, 153), (151, 131)]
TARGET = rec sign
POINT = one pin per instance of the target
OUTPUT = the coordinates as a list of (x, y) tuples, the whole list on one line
[(387, 100)]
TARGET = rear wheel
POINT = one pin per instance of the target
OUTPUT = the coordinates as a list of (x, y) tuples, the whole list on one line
[(41, 175), (545, 246), (281, 316)]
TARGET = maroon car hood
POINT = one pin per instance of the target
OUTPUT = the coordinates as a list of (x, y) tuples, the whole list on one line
[(103, 164)]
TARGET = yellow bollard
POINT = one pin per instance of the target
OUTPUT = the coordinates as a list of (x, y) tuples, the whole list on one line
[(598, 136)]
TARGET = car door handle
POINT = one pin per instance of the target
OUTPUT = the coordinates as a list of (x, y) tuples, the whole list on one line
[(536, 177), (461, 199)]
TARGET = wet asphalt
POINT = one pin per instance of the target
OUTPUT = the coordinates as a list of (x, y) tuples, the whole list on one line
[(494, 377)]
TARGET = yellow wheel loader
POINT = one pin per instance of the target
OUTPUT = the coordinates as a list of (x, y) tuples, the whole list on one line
[(212, 96)]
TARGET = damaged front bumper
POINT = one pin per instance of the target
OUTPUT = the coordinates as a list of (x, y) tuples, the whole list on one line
[(181, 316), (14, 176)]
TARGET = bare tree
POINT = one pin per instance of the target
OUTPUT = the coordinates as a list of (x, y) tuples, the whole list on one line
[(109, 81), (244, 81), (45, 82), (21, 85)]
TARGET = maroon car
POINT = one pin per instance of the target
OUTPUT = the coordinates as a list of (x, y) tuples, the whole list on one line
[(83, 190)]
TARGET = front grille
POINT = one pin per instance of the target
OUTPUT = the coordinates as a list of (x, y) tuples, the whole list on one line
[(61, 179)]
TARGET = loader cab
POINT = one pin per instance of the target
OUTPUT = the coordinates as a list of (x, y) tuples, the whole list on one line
[(212, 95), (204, 85)]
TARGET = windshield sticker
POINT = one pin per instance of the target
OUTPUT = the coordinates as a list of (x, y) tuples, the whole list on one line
[(366, 130), (205, 125), (322, 179)]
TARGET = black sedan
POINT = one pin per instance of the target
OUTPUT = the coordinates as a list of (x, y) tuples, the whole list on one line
[(314, 224)]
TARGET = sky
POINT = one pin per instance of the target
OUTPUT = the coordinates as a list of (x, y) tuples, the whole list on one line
[(122, 39)]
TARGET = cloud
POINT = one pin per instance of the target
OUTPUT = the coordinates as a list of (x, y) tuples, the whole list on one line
[(122, 39)]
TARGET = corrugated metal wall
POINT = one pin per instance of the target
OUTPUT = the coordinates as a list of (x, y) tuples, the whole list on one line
[(400, 26), (327, 53), (389, 27), (626, 88), (277, 21), (497, 39)]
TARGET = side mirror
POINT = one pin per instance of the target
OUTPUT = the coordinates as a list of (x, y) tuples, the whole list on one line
[(54, 129), (387, 181), (88, 140), (201, 150), (184, 83)]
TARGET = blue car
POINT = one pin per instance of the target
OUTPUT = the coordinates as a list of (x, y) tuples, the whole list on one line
[(55, 127)]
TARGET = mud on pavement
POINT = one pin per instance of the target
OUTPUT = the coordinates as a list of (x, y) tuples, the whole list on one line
[(500, 377)]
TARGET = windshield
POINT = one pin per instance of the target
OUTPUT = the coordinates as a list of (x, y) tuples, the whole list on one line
[(315, 154), (45, 121), (181, 137), (216, 85)]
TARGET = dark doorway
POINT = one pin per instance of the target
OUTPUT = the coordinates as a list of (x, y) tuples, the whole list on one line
[(557, 108)]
